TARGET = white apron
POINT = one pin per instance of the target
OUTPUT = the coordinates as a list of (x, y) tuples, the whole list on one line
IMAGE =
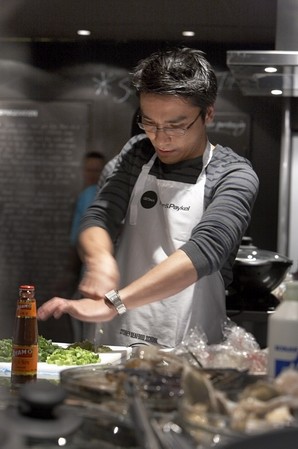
[(160, 219)]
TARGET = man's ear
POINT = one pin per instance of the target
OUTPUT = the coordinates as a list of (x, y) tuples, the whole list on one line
[(209, 115)]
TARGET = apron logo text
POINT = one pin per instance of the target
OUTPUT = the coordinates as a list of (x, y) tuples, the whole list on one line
[(175, 207), (138, 336)]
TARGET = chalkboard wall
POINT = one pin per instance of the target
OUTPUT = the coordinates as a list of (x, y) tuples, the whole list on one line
[(41, 147)]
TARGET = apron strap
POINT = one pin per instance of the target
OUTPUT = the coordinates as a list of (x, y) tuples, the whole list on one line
[(207, 156), (139, 189)]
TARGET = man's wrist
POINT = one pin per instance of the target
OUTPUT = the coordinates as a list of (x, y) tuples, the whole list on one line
[(113, 298)]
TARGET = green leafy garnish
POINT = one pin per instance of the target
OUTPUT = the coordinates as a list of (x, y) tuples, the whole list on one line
[(72, 356), (5, 349), (78, 353)]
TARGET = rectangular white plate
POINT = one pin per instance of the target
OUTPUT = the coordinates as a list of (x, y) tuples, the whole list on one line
[(44, 370)]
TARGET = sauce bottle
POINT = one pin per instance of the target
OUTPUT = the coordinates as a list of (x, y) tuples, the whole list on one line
[(25, 338), (283, 333)]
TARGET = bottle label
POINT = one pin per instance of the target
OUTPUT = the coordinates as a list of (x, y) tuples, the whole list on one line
[(26, 309), (285, 358), (24, 359)]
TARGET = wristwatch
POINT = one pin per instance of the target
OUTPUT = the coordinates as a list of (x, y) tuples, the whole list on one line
[(113, 298)]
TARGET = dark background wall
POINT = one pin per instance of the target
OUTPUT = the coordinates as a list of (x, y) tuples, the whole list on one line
[(83, 99)]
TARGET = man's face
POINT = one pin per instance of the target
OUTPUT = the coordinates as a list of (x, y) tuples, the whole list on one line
[(169, 111), (92, 169)]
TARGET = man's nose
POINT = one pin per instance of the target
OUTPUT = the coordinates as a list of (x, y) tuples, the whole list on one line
[(161, 136)]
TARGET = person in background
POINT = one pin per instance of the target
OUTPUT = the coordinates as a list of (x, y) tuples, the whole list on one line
[(93, 165), (186, 204)]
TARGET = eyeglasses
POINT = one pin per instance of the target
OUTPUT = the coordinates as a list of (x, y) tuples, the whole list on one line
[(169, 131)]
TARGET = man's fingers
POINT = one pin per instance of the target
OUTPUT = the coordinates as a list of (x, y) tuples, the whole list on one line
[(55, 307)]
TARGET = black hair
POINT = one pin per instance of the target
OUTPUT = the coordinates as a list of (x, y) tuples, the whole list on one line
[(180, 71), (94, 154)]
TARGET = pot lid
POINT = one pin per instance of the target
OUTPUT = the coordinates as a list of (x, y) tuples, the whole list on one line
[(254, 256), (250, 254)]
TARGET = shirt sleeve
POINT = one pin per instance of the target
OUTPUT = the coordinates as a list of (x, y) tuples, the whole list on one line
[(230, 193), (107, 171)]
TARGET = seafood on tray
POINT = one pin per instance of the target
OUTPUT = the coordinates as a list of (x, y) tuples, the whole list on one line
[(202, 401), (261, 405)]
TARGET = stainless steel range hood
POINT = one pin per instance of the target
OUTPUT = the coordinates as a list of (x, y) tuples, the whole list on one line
[(248, 67)]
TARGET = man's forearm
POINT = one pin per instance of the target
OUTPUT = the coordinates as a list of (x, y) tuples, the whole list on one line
[(92, 241), (101, 272), (166, 279)]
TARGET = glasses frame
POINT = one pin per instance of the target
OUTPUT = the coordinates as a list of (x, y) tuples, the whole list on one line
[(167, 130)]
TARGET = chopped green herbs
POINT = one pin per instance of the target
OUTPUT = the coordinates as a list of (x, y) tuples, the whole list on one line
[(79, 353), (5, 350), (72, 356)]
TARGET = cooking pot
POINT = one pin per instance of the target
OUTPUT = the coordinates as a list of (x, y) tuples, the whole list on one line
[(256, 271)]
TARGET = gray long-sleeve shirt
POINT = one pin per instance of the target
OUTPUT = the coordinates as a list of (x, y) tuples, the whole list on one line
[(230, 192)]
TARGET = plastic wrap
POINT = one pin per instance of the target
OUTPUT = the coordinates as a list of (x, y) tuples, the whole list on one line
[(238, 350)]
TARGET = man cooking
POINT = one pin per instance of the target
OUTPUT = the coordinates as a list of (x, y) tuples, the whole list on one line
[(186, 204)]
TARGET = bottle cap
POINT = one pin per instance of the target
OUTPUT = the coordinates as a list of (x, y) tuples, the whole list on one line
[(27, 287)]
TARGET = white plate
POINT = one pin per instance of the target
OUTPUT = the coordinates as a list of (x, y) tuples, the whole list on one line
[(44, 370)]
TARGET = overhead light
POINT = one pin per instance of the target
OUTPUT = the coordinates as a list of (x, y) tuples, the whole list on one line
[(270, 69), (83, 32), (276, 92), (188, 33)]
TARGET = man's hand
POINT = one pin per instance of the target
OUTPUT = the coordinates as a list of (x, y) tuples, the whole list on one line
[(101, 275), (101, 270), (85, 309)]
